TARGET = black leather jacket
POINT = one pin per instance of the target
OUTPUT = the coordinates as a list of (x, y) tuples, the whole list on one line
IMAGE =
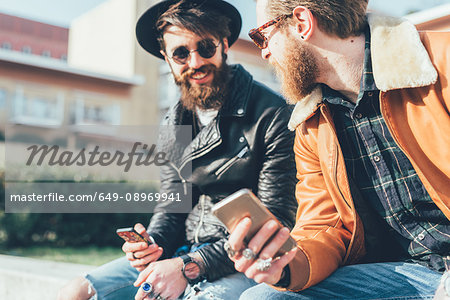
[(247, 145)]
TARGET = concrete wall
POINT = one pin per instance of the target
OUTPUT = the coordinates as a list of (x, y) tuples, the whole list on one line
[(102, 40)]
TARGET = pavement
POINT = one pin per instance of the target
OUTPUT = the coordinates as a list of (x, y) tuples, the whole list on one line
[(35, 279)]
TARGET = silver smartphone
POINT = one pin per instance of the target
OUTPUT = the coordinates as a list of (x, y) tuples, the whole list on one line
[(244, 203)]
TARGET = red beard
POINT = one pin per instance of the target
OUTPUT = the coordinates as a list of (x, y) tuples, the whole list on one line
[(298, 72)]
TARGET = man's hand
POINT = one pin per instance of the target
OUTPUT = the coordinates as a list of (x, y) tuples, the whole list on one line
[(249, 267), (140, 254), (165, 277)]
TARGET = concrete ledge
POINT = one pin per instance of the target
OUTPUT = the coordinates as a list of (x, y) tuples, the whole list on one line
[(29, 278)]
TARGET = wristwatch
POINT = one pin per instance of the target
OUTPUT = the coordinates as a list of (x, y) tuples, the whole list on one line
[(191, 270)]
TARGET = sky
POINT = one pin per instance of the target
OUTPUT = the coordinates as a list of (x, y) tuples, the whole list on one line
[(62, 12), (55, 12)]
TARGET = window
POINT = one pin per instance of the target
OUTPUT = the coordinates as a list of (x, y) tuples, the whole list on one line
[(46, 53), (95, 109), (26, 49), (169, 93), (6, 46), (37, 106), (3, 95)]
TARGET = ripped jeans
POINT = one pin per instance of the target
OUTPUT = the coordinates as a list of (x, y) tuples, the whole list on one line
[(226, 288), (114, 281)]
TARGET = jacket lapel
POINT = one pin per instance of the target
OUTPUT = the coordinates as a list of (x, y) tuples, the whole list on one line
[(399, 59)]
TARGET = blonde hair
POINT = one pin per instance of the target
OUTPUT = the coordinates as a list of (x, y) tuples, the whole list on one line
[(342, 18)]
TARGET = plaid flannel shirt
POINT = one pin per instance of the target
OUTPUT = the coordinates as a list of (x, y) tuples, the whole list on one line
[(384, 174)]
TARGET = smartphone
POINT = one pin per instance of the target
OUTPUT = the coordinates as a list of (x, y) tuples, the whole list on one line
[(244, 203), (132, 236)]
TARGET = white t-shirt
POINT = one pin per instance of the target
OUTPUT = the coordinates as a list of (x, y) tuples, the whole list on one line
[(206, 116)]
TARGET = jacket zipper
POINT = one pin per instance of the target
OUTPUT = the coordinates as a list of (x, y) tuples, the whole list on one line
[(200, 153), (336, 156), (336, 176), (229, 163), (202, 197), (183, 180), (202, 216), (201, 221), (181, 177), (335, 173)]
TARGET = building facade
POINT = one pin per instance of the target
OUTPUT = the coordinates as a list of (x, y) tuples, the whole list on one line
[(96, 73), (93, 73), (31, 37)]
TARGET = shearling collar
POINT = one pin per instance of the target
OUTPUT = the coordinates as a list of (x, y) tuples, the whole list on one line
[(399, 60)]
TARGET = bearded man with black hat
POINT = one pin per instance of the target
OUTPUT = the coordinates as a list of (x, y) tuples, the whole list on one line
[(240, 141)]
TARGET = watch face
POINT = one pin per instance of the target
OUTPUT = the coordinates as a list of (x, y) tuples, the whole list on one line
[(192, 270)]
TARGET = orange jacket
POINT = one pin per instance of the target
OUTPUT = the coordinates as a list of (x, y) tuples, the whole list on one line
[(412, 73)]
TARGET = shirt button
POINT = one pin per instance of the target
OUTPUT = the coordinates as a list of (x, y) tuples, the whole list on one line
[(358, 115), (241, 139), (421, 236), (240, 111), (376, 158)]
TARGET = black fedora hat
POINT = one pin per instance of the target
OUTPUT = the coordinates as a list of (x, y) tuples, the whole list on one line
[(147, 34)]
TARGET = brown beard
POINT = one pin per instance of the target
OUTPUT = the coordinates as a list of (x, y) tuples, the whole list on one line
[(298, 72), (205, 96)]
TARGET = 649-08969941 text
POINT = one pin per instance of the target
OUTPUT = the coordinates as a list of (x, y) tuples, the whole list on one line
[(152, 197), (108, 197)]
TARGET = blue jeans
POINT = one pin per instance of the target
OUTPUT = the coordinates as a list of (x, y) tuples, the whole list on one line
[(114, 281), (366, 281)]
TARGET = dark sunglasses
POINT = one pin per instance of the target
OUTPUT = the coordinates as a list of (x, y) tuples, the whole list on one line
[(258, 37), (205, 48)]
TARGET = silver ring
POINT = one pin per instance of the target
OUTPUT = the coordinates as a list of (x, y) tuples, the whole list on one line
[(147, 287), (230, 251), (263, 264), (248, 254), (159, 297)]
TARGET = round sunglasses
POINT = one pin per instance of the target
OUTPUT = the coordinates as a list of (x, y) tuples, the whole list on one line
[(205, 48)]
